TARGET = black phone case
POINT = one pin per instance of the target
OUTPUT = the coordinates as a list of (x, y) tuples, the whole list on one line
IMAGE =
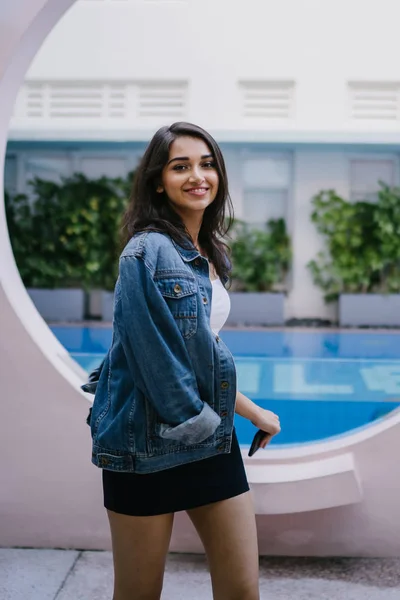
[(255, 444)]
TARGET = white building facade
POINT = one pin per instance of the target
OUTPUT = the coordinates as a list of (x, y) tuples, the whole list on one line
[(302, 95)]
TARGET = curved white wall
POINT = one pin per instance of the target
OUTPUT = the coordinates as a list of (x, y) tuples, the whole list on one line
[(50, 494)]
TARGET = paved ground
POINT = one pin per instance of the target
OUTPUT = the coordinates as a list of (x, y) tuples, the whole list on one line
[(72, 575)]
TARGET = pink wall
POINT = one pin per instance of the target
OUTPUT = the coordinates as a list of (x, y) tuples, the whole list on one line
[(50, 493)]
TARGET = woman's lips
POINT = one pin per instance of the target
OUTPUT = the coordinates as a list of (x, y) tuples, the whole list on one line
[(200, 191)]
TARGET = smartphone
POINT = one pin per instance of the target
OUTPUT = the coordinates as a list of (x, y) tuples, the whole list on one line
[(258, 438)]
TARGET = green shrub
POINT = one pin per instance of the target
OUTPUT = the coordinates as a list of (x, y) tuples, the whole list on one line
[(362, 244), (67, 234), (260, 257), (387, 223)]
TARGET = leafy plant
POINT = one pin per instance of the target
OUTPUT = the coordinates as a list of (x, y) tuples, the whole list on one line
[(362, 252), (260, 257), (67, 234), (387, 223)]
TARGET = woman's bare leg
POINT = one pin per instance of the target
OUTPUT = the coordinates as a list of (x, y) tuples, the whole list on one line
[(228, 532), (140, 546)]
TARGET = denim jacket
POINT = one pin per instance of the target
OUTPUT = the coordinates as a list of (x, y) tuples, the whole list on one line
[(166, 391)]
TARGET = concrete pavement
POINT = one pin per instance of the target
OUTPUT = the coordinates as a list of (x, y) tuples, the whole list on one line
[(74, 575)]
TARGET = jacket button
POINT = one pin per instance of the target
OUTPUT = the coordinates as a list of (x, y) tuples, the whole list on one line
[(220, 448), (205, 301), (224, 385), (224, 413), (177, 288), (104, 460), (197, 262)]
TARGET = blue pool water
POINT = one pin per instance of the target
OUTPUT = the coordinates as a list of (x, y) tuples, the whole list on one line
[(321, 384)]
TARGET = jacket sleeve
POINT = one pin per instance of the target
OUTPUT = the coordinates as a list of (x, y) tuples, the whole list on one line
[(160, 357)]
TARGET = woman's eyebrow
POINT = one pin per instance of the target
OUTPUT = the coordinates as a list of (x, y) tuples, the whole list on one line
[(187, 158)]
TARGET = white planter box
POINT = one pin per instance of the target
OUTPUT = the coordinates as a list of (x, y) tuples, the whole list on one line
[(247, 308), (94, 304), (59, 305), (369, 309), (107, 306), (256, 308)]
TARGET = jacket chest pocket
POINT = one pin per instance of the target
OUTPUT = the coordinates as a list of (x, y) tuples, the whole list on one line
[(181, 297)]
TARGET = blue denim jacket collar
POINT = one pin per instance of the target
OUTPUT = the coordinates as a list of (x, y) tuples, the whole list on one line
[(187, 254), (190, 254)]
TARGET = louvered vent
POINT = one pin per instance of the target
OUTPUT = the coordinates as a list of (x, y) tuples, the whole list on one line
[(34, 101), (375, 101), (116, 100), (267, 99), (72, 101), (165, 100), (145, 1), (131, 103)]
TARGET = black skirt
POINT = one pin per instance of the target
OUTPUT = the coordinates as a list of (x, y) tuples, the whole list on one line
[(180, 488)]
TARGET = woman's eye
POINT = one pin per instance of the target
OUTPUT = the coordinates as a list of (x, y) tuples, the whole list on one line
[(210, 164)]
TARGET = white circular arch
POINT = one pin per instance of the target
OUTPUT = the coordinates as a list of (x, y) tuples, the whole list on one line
[(46, 443), (29, 23)]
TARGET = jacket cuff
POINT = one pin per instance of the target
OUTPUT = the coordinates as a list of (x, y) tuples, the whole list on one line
[(193, 430)]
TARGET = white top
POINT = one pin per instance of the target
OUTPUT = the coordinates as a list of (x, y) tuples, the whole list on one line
[(220, 306)]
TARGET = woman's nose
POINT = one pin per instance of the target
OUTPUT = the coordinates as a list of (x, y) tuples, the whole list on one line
[(196, 175)]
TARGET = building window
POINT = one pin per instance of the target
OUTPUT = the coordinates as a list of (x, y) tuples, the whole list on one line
[(95, 167), (365, 176), (47, 167), (266, 185)]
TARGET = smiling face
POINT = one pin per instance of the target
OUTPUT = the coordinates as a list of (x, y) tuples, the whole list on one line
[(190, 178)]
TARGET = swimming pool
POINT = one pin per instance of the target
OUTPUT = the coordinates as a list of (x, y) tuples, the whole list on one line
[(321, 384)]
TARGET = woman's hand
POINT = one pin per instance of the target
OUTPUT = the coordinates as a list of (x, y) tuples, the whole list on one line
[(267, 421), (263, 419)]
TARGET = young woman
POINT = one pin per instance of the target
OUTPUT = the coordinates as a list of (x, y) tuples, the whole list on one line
[(162, 418)]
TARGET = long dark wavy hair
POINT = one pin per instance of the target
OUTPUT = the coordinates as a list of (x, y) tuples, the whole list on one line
[(153, 211)]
